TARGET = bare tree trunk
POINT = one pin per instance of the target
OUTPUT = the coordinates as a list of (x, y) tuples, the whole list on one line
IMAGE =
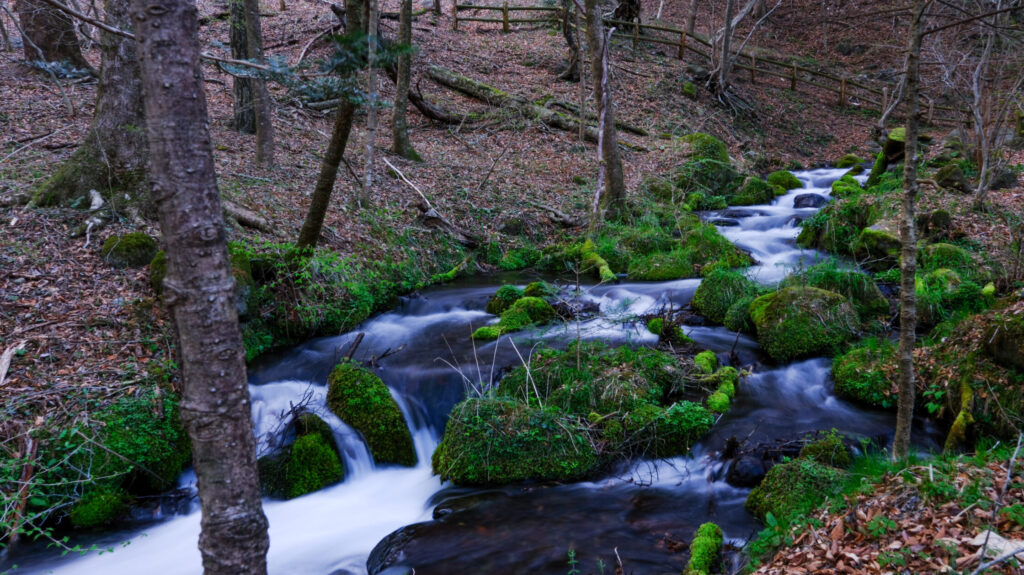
[(400, 143), (627, 11), (244, 118), (614, 193), (982, 121), (725, 61), (199, 289), (571, 73), (437, 7), (309, 235), (691, 17), (114, 153), (252, 106), (363, 196), (51, 34), (908, 243)]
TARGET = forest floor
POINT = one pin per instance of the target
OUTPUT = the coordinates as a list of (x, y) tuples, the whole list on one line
[(74, 327)]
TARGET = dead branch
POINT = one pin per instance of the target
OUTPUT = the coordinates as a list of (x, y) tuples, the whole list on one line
[(556, 214), (247, 217)]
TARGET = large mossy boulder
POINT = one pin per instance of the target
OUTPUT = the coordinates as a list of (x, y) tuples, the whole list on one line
[(952, 178), (1004, 340), (309, 464), (893, 151), (859, 288), (754, 191), (794, 487), (132, 250), (360, 399), (785, 180), (704, 550), (835, 227), (524, 312), (500, 441), (503, 299), (865, 374), (846, 187), (878, 247), (849, 161), (717, 293), (701, 246), (797, 322), (943, 255), (707, 169)]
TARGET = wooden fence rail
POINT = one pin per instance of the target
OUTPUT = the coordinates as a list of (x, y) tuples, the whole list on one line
[(755, 63)]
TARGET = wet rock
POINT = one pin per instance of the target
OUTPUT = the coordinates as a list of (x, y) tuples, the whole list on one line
[(746, 471), (737, 213), (951, 177), (809, 201), (1003, 178), (725, 222)]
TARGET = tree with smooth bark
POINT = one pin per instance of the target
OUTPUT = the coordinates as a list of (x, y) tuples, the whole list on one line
[(400, 143), (113, 155), (252, 105), (908, 241), (613, 194), (199, 289)]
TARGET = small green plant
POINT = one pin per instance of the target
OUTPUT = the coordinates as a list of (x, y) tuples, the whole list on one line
[(880, 525)]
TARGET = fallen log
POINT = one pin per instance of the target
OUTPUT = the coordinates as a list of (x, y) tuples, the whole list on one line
[(495, 97)]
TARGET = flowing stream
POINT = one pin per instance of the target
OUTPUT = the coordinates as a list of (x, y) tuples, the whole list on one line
[(643, 516)]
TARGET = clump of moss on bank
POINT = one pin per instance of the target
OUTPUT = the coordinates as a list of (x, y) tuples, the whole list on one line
[(864, 374), (797, 322), (793, 488), (704, 550), (360, 399), (133, 250), (523, 312), (309, 464), (719, 290)]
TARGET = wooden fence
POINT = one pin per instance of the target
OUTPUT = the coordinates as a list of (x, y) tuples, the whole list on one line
[(749, 60)]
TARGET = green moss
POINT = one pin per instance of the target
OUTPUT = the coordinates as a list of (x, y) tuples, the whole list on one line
[(498, 441), (846, 187), (708, 168), (519, 258), (706, 361), (859, 288), (132, 250), (662, 189), (754, 191), (690, 90), (704, 550), (799, 322), (97, 508), (829, 450), (793, 488), (877, 248), (656, 325), (785, 180), (737, 317), (361, 399), (942, 255), (503, 299), (487, 333), (719, 290), (848, 161), (540, 289), (313, 465), (718, 402), (662, 266), (158, 271), (860, 374)]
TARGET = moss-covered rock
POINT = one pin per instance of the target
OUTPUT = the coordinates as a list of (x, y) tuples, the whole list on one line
[(662, 190), (132, 250), (737, 317), (98, 508), (719, 291), (792, 488), (708, 168), (1004, 340), (859, 288), (835, 227), (846, 187), (892, 151), (753, 191), (503, 299), (849, 161), (540, 289), (309, 464), (865, 374), (942, 255), (799, 322), (828, 450), (706, 361), (878, 247), (951, 177), (500, 441), (704, 550), (360, 399), (785, 179)]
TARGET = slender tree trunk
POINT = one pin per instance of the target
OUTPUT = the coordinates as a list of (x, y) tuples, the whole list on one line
[(114, 153), (309, 235), (691, 17), (199, 289), (571, 73), (252, 106), (51, 34), (244, 118), (982, 120), (724, 62), (400, 143), (908, 242), (614, 193)]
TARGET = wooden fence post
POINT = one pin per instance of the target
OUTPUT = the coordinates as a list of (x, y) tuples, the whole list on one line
[(504, 17), (842, 93), (455, 15), (682, 43), (885, 99), (792, 79), (636, 34)]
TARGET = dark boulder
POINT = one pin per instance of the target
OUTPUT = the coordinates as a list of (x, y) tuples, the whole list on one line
[(809, 201)]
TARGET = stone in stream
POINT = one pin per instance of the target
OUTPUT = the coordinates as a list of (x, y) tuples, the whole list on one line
[(746, 471), (738, 213), (809, 201), (724, 222)]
